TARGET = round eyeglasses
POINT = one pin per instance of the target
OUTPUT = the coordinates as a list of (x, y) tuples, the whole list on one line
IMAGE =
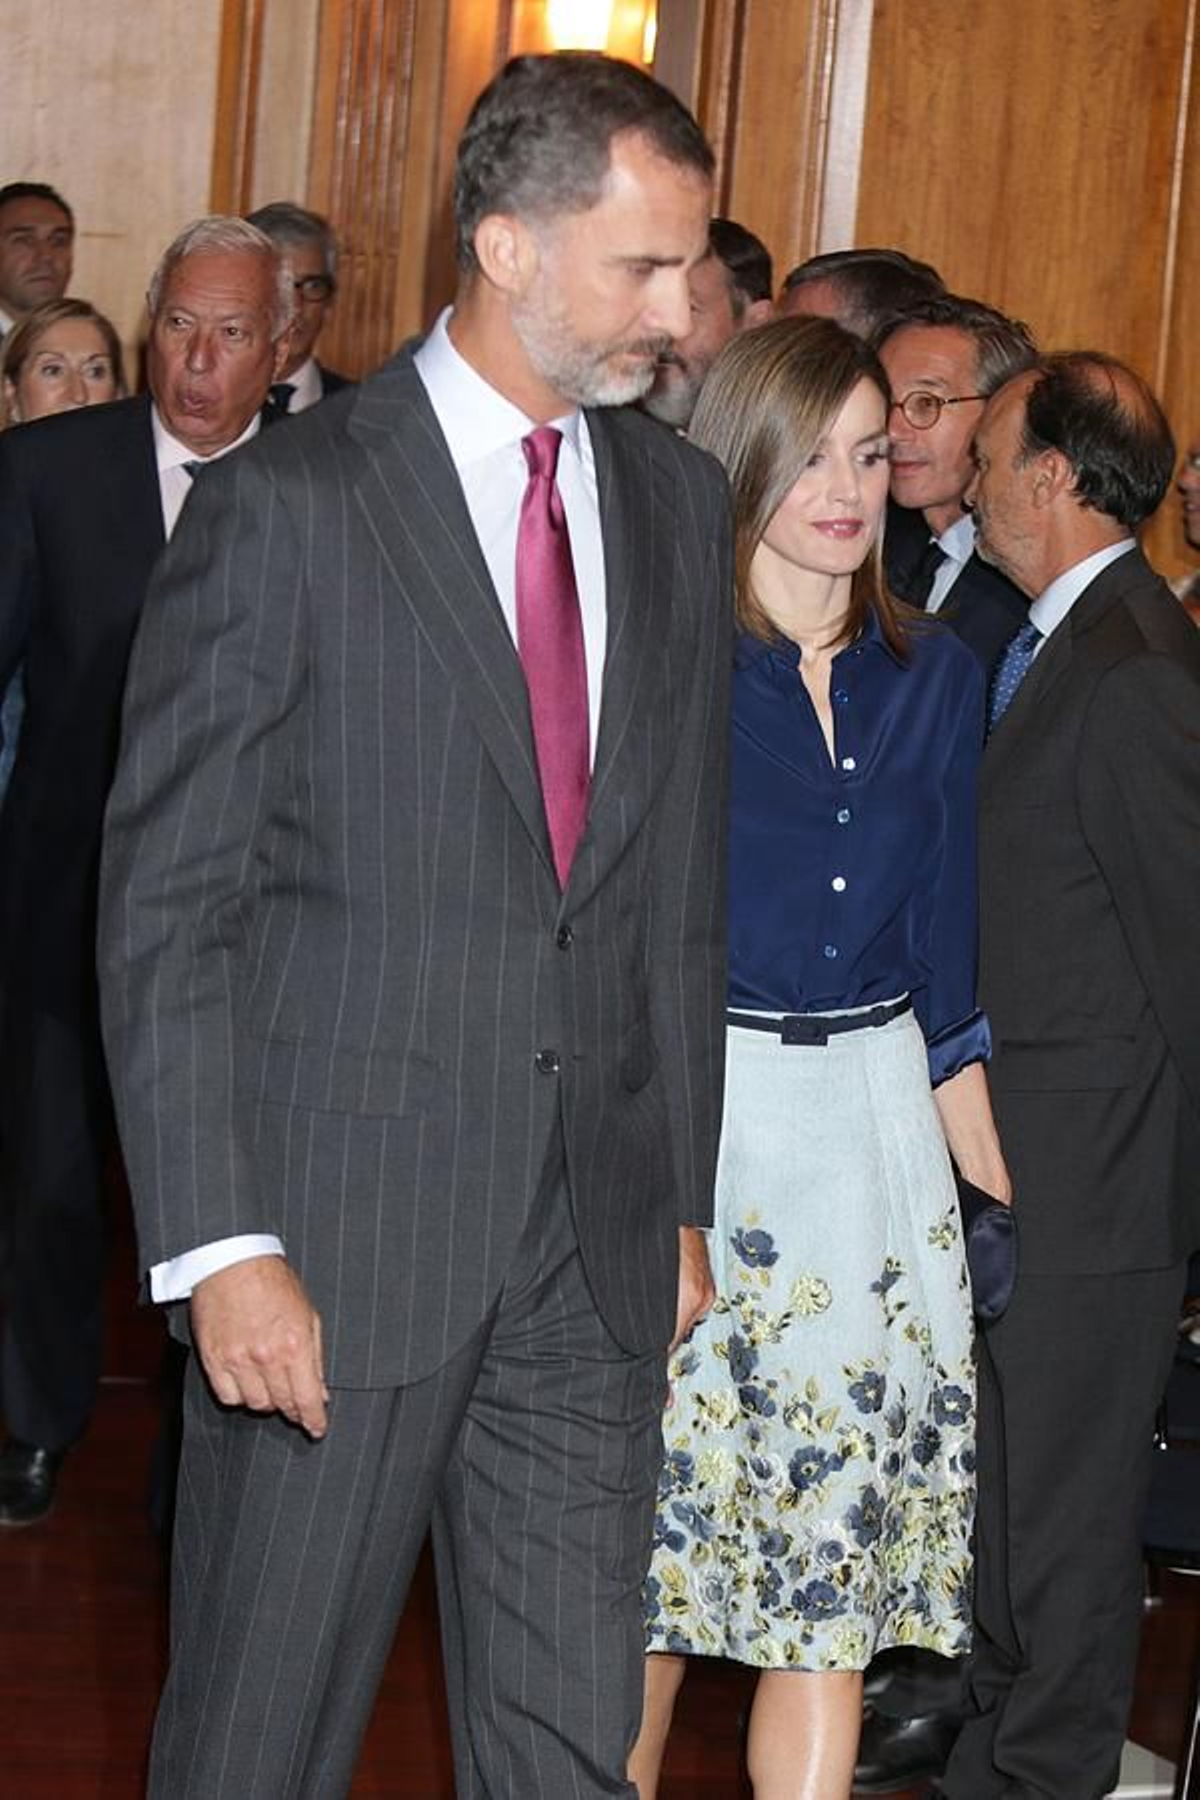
[(923, 410)]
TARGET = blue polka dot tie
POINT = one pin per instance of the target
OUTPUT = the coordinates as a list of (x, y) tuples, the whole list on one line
[(1011, 671)]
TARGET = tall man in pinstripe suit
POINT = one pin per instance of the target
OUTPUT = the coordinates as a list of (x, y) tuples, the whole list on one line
[(421, 1127)]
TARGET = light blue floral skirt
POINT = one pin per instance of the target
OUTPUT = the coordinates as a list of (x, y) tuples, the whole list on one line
[(817, 1497)]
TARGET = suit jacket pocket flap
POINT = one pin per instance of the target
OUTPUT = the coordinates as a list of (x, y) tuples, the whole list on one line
[(383, 1083), (1071, 1065)]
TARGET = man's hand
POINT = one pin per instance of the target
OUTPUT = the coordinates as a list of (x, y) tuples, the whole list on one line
[(259, 1339), (696, 1289)]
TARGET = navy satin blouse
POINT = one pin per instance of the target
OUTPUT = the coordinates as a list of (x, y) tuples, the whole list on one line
[(853, 880)]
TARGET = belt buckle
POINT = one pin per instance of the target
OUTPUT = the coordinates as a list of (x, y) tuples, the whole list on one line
[(801, 1028)]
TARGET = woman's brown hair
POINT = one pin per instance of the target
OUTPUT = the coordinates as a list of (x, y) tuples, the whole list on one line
[(769, 399)]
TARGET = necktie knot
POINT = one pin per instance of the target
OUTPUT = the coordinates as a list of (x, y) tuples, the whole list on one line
[(541, 449), (924, 573)]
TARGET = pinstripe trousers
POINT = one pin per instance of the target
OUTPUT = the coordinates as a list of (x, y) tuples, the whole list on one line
[(533, 1452)]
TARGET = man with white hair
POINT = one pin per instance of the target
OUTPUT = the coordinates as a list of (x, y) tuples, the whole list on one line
[(87, 501)]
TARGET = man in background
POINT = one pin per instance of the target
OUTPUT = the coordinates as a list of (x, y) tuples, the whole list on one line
[(309, 245), (87, 501), (730, 292), (37, 243), (858, 288), (943, 357)]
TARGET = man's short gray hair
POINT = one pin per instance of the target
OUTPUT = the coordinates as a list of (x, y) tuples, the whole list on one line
[(218, 233), (289, 225)]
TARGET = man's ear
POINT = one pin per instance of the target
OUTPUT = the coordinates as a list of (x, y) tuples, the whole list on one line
[(1053, 477), (759, 312), (506, 252)]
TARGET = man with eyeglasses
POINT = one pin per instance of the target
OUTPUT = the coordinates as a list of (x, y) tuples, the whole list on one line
[(943, 357), (310, 248)]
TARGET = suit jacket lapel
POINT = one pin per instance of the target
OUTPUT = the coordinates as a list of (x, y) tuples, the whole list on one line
[(413, 503), (134, 498), (637, 514), (1051, 667)]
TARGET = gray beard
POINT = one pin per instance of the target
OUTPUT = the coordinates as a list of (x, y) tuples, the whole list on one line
[(577, 370)]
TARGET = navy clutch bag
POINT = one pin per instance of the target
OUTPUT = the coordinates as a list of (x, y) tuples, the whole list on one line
[(990, 1234)]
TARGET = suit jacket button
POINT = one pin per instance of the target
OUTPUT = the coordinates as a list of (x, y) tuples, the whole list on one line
[(546, 1062), (565, 937)]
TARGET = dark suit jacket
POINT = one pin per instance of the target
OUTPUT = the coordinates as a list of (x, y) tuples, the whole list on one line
[(1089, 872), (344, 998), (80, 528), (983, 607)]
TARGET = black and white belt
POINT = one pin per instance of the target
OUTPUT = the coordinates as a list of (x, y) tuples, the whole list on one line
[(818, 1028)]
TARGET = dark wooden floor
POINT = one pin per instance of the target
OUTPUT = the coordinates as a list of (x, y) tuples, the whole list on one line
[(82, 1636)]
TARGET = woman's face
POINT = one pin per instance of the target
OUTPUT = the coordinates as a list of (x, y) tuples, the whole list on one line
[(833, 514), (68, 366)]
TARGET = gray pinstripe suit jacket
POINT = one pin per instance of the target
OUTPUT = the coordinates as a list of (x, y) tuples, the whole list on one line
[(344, 999)]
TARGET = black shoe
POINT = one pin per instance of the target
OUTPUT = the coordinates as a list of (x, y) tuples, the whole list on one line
[(27, 1477), (895, 1753)]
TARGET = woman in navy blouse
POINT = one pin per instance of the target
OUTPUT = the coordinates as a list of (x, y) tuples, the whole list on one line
[(817, 1497)]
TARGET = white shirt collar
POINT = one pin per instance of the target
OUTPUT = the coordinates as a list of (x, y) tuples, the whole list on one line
[(169, 453), (475, 417), (1051, 608), (958, 540), (307, 388)]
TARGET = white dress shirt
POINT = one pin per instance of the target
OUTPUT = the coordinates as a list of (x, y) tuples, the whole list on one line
[(172, 459), (957, 544), (306, 386), (483, 431)]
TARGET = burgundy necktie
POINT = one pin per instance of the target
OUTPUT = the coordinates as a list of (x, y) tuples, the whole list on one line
[(550, 643)]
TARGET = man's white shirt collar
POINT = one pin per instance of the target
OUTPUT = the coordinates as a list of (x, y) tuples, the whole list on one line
[(169, 453), (958, 540), (475, 417)]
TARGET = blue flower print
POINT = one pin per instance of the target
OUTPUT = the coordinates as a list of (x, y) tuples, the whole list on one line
[(866, 1519), (757, 1400), (678, 1473), (926, 1443), (868, 1391), (755, 1248), (811, 1465), (743, 1359), (951, 1406), (819, 1600)]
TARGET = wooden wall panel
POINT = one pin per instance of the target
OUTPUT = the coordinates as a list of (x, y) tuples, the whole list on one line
[(1178, 375), (1027, 151), (114, 105), (1030, 153)]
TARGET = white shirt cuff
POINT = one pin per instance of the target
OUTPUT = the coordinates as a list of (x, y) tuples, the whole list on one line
[(174, 1280)]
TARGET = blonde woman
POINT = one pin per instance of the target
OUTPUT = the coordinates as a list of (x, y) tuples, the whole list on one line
[(817, 1497), (62, 355)]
